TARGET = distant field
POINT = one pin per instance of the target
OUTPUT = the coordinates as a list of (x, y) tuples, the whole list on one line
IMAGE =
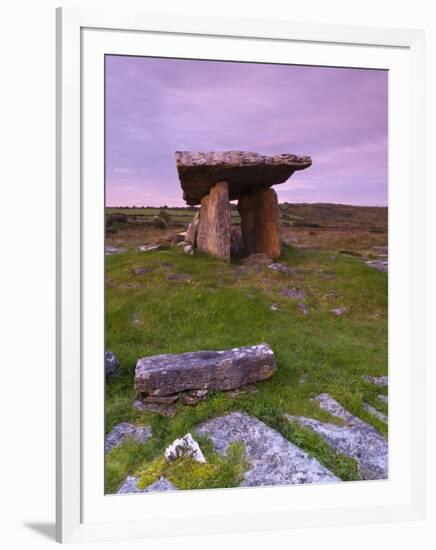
[(326, 216)]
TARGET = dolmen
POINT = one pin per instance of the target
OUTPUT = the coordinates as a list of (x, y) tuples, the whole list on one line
[(163, 379), (213, 179)]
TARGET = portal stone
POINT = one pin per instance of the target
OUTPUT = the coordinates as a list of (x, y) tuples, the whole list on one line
[(213, 233), (260, 222)]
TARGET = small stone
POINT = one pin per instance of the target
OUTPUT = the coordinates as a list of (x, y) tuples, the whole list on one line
[(380, 265), (111, 364), (303, 309), (193, 397), (184, 447), (377, 380), (274, 307), (109, 250), (294, 293), (188, 249), (148, 247), (142, 270), (280, 268), (123, 431), (339, 311)]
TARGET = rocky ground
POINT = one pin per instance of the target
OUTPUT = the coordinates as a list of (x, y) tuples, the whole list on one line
[(322, 308)]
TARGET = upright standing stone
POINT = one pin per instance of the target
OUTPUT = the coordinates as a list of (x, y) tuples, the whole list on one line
[(213, 234), (260, 222)]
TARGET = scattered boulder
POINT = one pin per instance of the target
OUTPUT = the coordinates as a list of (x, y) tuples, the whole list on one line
[(142, 270), (184, 447), (294, 293), (130, 485), (376, 380), (149, 247), (381, 265), (273, 459), (167, 374), (339, 311), (355, 438), (109, 250), (193, 397), (111, 364), (280, 268), (123, 431), (176, 239)]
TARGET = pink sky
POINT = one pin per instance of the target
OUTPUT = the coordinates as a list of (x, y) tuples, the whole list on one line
[(157, 106)]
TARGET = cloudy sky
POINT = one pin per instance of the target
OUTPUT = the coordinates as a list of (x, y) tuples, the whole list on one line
[(155, 107)]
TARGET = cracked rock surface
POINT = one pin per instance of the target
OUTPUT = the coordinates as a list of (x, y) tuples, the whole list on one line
[(123, 431), (356, 438), (273, 459), (130, 485)]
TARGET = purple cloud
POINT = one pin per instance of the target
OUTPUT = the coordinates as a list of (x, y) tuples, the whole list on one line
[(157, 106)]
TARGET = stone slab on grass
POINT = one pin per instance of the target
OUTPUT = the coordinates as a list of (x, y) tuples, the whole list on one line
[(356, 438), (167, 374), (273, 459)]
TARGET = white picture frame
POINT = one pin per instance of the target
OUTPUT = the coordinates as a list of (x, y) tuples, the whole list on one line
[(79, 300)]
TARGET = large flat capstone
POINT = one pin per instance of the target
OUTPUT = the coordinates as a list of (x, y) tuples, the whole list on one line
[(168, 374), (243, 170), (273, 459)]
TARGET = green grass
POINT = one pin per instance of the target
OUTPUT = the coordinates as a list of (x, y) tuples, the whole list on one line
[(219, 306)]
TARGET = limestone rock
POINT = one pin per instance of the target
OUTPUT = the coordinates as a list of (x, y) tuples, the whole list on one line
[(149, 247), (273, 459), (184, 447), (109, 250), (355, 438), (381, 265), (191, 232), (111, 364), (123, 431), (213, 233), (168, 374), (245, 171), (339, 311), (130, 485), (260, 222), (377, 380)]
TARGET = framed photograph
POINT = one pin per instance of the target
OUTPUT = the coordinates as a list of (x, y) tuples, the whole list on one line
[(240, 284)]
